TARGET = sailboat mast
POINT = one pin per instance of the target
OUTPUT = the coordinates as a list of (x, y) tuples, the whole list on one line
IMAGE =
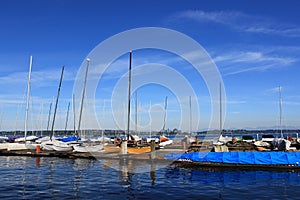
[(165, 114), (58, 93), (41, 117), (83, 92), (17, 114), (150, 120), (49, 114), (27, 100), (103, 117), (221, 109), (129, 91), (67, 117), (190, 103), (74, 115), (280, 109), (136, 112)]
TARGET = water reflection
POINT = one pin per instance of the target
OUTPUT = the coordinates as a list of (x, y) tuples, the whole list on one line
[(80, 166), (129, 167), (233, 177), (31, 178), (37, 161), (152, 173)]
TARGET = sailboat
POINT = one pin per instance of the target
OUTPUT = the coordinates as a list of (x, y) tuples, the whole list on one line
[(134, 148), (54, 144), (26, 142), (221, 139), (86, 147), (280, 143), (163, 140)]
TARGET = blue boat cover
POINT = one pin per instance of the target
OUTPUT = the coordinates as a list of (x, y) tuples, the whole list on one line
[(250, 158), (69, 139)]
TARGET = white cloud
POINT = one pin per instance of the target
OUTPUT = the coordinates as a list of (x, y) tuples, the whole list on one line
[(38, 78), (241, 22), (239, 62)]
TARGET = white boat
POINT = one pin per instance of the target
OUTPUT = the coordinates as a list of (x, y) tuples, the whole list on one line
[(83, 148), (261, 143), (223, 140), (47, 145), (16, 146), (42, 139), (3, 145), (164, 141), (56, 145), (27, 138), (101, 139), (61, 146)]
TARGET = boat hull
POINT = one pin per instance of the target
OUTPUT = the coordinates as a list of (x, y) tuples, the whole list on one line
[(86, 149), (138, 150), (112, 149)]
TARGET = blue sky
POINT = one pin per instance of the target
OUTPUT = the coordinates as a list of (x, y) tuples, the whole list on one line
[(254, 44)]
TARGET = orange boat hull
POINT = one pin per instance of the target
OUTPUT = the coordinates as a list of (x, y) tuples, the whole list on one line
[(138, 150)]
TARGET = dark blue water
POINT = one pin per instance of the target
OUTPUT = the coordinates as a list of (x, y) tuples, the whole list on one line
[(55, 178)]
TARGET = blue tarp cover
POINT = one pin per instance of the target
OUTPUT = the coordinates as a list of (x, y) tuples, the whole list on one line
[(251, 158), (69, 139)]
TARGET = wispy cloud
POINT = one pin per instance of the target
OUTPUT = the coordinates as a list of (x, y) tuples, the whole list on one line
[(273, 90), (241, 22), (38, 78), (239, 62)]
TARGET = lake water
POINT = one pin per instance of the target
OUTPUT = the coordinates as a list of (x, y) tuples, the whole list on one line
[(57, 178)]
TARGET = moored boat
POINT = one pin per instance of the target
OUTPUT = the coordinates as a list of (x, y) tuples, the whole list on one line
[(273, 159), (111, 148), (138, 150), (56, 145), (84, 148)]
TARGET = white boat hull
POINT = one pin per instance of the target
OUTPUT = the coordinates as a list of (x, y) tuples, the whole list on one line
[(92, 148), (19, 146), (16, 146), (3, 146), (165, 143), (56, 145), (28, 138)]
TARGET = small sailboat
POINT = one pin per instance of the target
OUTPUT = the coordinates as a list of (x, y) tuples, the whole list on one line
[(85, 146), (54, 144), (26, 142), (133, 147), (163, 140)]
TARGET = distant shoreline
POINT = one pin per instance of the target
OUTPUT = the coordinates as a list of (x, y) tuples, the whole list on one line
[(121, 132)]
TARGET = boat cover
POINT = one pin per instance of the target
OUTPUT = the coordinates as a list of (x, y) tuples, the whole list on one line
[(250, 158), (69, 139)]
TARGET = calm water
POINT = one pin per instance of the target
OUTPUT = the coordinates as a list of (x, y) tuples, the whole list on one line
[(54, 178)]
